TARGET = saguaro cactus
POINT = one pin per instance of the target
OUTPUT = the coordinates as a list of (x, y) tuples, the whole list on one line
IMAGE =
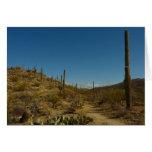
[(35, 68), (127, 72), (64, 79), (23, 67), (61, 78), (76, 86), (57, 78), (93, 85), (41, 74)]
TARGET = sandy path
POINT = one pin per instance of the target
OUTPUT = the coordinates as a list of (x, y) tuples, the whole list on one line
[(100, 119)]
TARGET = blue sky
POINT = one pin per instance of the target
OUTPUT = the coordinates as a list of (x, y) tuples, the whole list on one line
[(87, 54)]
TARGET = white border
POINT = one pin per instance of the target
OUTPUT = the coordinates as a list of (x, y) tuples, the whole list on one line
[(82, 13)]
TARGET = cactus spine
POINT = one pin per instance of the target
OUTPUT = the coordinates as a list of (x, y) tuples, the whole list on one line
[(127, 72), (64, 79), (41, 74)]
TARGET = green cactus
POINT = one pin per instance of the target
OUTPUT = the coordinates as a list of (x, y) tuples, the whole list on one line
[(35, 68), (23, 67), (76, 86), (64, 79), (57, 78), (127, 72), (41, 74), (61, 78)]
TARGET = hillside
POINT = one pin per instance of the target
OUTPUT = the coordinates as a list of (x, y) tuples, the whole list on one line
[(138, 89), (136, 84), (35, 99)]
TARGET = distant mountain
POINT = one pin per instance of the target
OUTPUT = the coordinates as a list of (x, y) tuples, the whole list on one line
[(138, 89), (137, 84)]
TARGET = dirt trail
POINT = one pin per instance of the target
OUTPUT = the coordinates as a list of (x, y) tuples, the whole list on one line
[(99, 118)]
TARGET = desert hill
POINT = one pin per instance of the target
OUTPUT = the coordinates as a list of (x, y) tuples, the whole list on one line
[(136, 84), (138, 89), (35, 99)]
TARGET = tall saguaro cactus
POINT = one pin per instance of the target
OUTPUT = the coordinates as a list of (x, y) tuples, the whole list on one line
[(127, 72), (76, 86), (64, 79), (57, 78), (61, 78), (35, 68), (41, 74)]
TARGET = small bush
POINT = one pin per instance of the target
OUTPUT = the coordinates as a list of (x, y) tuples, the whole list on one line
[(14, 78), (67, 93), (77, 104), (19, 115), (34, 108), (54, 99), (51, 85), (38, 121), (114, 96), (60, 87), (21, 86), (36, 84), (70, 110), (18, 68)]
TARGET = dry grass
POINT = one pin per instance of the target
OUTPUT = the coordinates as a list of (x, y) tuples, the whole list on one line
[(35, 102)]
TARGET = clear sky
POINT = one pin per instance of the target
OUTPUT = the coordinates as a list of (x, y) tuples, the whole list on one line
[(88, 54)]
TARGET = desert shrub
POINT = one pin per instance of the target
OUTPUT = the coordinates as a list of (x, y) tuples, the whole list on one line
[(70, 110), (36, 84), (18, 115), (14, 119), (14, 78), (51, 85), (69, 120), (18, 68), (66, 93), (60, 87), (24, 95), (38, 121), (77, 104), (114, 96), (102, 100), (11, 68), (138, 98), (118, 113), (21, 86), (54, 99), (71, 87), (34, 108), (29, 70), (10, 96)]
